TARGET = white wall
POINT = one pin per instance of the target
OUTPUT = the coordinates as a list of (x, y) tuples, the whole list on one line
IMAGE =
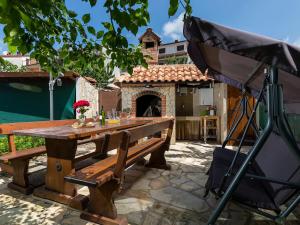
[(220, 101), (18, 60), (86, 91), (172, 48)]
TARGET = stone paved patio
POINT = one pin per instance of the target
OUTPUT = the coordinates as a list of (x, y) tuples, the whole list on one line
[(149, 197)]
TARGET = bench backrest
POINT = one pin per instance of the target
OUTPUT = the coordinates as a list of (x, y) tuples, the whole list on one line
[(120, 140), (112, 140)]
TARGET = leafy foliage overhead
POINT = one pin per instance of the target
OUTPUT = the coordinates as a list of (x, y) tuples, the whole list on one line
[(60, 40), (102, 75)]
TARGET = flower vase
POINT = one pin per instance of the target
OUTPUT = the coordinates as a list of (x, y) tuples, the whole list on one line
[(81, 119)]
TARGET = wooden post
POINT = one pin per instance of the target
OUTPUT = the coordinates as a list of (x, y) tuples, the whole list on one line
[(218, 131), (11, 143), (204, 130)]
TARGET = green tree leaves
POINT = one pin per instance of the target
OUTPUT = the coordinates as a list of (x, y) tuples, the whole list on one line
[(91, 30), (86, 18), (93, 2), (60, 41), (173, 7)]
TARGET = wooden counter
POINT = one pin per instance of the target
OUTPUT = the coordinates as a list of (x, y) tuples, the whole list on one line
[(198, 128), (188, 128)]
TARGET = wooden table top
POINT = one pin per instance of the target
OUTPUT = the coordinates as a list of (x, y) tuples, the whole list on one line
[(67, 132)]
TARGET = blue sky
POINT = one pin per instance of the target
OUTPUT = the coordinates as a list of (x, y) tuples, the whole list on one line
[(279, 19)]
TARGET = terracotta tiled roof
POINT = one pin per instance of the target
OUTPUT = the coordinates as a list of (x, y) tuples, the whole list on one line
[(164, 73)]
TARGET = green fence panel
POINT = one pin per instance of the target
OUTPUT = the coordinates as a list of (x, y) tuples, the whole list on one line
[(27, 99)]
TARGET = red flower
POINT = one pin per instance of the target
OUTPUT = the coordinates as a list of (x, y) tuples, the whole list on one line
[(81, 103)]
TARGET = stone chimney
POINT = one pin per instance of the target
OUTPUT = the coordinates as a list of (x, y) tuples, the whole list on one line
[(150, 42)]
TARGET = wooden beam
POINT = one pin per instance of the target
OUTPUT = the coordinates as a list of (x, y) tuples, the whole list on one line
[(11, 143)]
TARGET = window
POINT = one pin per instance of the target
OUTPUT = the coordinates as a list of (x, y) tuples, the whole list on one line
[(180, 48), (149, 44), (162, 50)]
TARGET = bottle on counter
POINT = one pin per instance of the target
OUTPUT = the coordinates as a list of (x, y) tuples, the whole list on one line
[(102, 116)]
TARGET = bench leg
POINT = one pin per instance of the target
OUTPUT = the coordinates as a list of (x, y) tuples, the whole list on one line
[(157, 160), (20, 176), (101, 208), (100, 153)]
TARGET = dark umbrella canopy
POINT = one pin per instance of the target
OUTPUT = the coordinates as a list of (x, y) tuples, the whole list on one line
[(231, 55)]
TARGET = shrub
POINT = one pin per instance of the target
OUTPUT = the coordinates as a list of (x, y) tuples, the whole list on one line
[(22, 142)]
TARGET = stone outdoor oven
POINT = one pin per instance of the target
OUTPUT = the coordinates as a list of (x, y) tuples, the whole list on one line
[(151, 92), (157, 101)]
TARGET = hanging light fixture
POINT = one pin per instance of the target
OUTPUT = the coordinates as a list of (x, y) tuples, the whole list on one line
[(148, 86)]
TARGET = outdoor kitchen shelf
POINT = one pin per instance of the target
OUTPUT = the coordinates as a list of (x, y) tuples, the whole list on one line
[(210, 128)]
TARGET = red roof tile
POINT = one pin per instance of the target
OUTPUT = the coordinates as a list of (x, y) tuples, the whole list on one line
[(164, 73)]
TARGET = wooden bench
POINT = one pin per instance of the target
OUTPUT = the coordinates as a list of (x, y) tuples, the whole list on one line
[(16, 163), (105, 177)]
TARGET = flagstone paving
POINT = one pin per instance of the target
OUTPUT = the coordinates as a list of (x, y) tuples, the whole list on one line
[(149, 196)]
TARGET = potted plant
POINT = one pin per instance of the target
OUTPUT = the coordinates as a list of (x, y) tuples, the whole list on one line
[(212, 110)]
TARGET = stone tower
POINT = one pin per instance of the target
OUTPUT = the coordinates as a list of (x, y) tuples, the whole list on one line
[(150, 42)]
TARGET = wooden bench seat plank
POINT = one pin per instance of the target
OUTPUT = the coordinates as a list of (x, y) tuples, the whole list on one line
[(32, 152), (92, 174), (26, 153), (110, 161)]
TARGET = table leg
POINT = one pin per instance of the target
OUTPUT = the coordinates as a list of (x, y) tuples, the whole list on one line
[(60, 162), (57, 169)]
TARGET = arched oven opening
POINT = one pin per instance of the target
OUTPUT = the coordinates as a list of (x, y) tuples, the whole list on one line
[(148, 106)]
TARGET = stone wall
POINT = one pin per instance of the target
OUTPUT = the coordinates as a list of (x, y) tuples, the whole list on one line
[(85, 90)]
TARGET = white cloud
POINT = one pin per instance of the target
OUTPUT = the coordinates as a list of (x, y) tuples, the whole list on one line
[(173, 28), (297, 42), (286, 39)]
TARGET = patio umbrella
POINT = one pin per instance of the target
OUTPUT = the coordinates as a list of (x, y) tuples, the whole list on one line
[(230, 55)]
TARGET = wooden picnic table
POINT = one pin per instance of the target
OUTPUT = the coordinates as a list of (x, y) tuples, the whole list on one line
[(61, 146)]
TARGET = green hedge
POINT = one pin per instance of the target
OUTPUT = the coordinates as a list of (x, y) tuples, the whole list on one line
[(21, 142)]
